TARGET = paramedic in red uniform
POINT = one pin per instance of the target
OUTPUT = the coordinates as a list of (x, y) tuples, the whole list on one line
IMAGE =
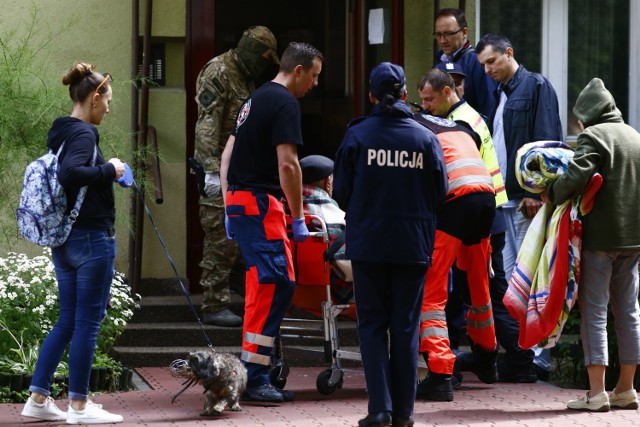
[(463, 232), (259, 166), (390, 178)]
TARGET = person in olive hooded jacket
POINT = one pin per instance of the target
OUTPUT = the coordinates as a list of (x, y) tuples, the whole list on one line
[(610, 245)]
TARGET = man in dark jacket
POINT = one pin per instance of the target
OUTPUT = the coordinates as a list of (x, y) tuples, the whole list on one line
[(526, 111), (451, 34), (390, 178)]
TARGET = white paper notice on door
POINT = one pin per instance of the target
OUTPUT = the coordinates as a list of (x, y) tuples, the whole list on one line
[(376, 26)]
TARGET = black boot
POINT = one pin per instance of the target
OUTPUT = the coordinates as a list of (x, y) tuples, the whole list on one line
[(435, 387), (479, 361)]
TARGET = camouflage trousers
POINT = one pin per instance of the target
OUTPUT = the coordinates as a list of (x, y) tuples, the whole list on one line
[(219, 255)]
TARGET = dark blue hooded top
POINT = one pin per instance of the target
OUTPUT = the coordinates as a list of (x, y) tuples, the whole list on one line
[(390, 178), (98, 209)]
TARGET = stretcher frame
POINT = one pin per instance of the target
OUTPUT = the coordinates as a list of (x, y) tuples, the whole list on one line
[(299, 329), (313, 272)]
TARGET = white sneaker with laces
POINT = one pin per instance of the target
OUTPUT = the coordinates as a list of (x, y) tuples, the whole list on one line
[(625, 400), (92, 414), (45, 411), (597, 403)]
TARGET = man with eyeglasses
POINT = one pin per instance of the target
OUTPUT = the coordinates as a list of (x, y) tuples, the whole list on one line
[(451, 34)]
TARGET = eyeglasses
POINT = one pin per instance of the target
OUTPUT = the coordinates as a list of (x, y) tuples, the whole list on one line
[(446, 35), (107, 78)]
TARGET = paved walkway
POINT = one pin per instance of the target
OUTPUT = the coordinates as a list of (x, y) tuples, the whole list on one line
[(475, 404)]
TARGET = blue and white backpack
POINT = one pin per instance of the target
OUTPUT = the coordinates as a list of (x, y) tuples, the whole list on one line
[(41, 214)]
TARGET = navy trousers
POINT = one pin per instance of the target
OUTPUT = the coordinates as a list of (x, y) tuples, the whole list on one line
[(388, 301)]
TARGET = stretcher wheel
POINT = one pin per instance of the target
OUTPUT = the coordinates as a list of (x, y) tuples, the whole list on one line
[(278, 375), (329, 380)]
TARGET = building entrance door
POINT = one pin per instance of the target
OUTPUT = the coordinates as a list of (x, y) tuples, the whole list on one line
[(338, 29)]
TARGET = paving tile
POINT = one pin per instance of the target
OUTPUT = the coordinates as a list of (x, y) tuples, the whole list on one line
[(475, 404)]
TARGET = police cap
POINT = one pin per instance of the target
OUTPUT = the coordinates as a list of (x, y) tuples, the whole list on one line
[(451, 68), (387, 78)]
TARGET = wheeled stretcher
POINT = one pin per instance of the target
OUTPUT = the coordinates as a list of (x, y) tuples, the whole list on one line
[(313, 295)]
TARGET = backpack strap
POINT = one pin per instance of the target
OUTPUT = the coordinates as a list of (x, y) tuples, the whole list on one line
[(73, 215), (59, 150)]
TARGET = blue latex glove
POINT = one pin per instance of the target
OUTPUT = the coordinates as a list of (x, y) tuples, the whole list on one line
[(300, 231), (227, 227), (126, 180)]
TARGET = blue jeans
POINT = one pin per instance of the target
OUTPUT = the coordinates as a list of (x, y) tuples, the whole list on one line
[(517, 226), (84, 270)]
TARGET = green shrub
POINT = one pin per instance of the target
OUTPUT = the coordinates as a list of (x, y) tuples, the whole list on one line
[(29, 307), (28, 105)]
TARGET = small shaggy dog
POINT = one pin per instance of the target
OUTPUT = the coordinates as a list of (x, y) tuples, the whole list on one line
[(222, 375)]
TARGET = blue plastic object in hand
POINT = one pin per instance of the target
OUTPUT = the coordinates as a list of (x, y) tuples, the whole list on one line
[(227, 227), (299, 229), (126, 180)]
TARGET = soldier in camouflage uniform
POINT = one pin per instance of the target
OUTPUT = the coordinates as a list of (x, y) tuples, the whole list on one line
[(223, 84)]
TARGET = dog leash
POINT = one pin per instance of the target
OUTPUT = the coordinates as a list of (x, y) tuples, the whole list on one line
[(173, 265)]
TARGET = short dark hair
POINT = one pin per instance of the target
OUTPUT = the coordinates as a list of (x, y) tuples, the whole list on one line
[(461, 19), (299, 54), (499, 42), (437, 79)]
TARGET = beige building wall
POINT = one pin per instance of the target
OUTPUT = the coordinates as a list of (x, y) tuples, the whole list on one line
[(167, 113), (99, 32)]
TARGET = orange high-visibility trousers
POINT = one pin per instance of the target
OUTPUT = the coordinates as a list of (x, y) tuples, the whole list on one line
[(434, 338)]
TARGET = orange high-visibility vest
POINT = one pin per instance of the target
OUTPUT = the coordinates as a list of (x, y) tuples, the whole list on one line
[(464, 112)]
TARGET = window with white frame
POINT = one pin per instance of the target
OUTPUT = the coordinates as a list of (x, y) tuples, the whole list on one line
[(598, 47), (570, 42)]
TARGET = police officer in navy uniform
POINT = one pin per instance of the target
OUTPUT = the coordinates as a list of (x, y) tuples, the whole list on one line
[(390, 178)]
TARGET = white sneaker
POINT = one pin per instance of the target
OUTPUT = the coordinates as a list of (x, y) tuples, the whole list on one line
[(624, 400), (597, 403), (92, 414), (45, 411)]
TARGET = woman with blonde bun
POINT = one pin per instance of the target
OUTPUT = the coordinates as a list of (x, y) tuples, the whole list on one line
[(84, 263)]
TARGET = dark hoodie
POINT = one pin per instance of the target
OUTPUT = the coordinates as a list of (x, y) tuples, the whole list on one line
[(98, 209)]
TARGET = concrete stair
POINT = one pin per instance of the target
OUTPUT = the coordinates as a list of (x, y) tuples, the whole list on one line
[(165, 328)]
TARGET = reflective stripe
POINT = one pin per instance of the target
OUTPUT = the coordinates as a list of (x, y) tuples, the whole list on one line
[(480, 309), (476, 324), (261, 340), (434, 332), (467, 172), (433, 315), (454, 184), (465, 163), (256, 358)]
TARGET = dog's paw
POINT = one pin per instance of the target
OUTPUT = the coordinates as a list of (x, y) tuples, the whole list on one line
[(211, 412)]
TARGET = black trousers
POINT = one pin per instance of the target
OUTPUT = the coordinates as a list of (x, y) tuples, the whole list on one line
[(507, 328)]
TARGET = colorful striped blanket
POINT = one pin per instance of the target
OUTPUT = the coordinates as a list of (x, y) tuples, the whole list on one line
[(544, 284)]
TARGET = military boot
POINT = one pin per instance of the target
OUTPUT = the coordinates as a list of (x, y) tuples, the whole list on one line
[(479, 361)]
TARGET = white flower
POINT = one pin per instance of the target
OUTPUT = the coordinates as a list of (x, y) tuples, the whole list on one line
[(29, 298)]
